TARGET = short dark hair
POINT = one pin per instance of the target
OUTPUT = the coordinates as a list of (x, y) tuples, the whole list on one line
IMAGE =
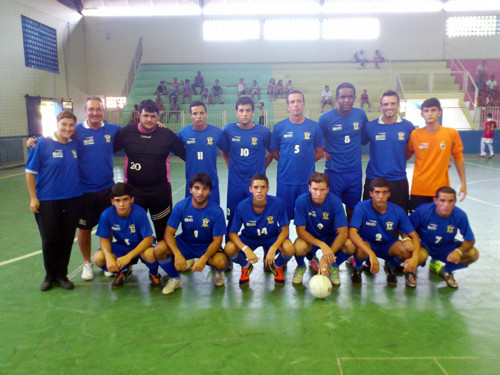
[(93, 97), (259, 177), (379, 182), (202, 178), (148, 105), (122, 188), (489, 115), (197, 103), (319, 178), (389, 93), (244, 100), (66, 114), (295, 92), (446, 190), (431, 102), (345, 85)]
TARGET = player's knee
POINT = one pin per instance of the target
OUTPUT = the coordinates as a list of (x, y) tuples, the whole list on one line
[(288, 249), (161, 250), (230, 249), (148, 255), (99, 259), (422, 256), (360, 254), (472, 255), (301, 247), (219, 260), (349, 247)]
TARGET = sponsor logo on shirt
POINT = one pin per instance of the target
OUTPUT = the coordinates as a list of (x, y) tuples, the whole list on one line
[(432, 226), (423, 146), (326, 216), (145, 136), (191, 141), (380, 136), (132, 228), (74, 154), (389, 225), (254, 141), (450, 229), (205, 223), (210, 141), (116, 227), (312, 213), (108, 138), (355, 125), (288, 135), (188, 219), (337, 127), (251, 223), (320, 226), (270, 220), (307, 135), (371, 223), (401, 136), (236, 138), (442, 145), (88, 141), (57, 154)]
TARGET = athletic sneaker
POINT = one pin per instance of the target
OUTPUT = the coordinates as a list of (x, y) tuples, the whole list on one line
[(391, 275), (411, 280), (88, 271), (298, 275), (219, 278), (356, 276), (172, 285), (279, 278), (120, 279), (491, 156), (333, 275), (189, 264), (245, 274), (108, 274), (155, 281), (435, 266), (267, 268), (448, 277), (315, 264)]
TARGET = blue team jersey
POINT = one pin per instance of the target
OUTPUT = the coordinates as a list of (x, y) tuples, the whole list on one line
[(263, 226), (387, 148), (342, 137), (320, 221), (379, 228), (296, 144), (199, 226), (56, 168), (201, 150), (436, 231), (127, 231), (95, 148), (247, 152)]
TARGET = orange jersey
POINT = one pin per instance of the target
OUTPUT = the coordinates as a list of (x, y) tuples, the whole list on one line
[(432, 157)]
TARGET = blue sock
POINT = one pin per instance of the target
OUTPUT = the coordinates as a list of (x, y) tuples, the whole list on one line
[(169, 266), (280, 260), (153, 267), (451, 267), (341, 257), (359, 262), (241, 259), (300, 261), (393, 261)]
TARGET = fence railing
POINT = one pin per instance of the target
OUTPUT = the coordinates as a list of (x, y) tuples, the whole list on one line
[(12, 151)]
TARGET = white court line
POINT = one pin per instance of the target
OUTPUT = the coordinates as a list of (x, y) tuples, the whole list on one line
[(407, 358), (441, 367), (340, 368), (482, 166), (483, 202), (482, 181), (12, 175)]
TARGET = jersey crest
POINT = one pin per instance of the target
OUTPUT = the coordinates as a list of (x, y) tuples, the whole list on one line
[(210, 141), (74, 154), (254, 141), (442, 145), (205, 223), (132, 228), (108, 138), (389, 225), (401, 136), (355, 125), (307, 135), (326, 216), (450, 229), (270, 220)]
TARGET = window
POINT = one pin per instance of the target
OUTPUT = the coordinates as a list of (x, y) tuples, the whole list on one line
[(231, 30), (292, 29), (472, 26), (351, 28), (40, 46), (114, 102)]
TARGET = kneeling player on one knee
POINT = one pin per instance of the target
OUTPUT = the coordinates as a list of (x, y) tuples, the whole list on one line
[(321, 224), (203, 227), (372, 228), (437, 224), (265, 224), (129, 225)]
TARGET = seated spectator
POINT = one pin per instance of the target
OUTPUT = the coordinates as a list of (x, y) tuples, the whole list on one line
[(255, 89), (492, 85), (205, 96), (359, 57), (326, 98), (262, 120), (242, 87), (271, 89), (162, 89), (175, 90), (216, 91), (280, 89), (289, 87), (482, 71), (378, 58), (365, 100), (175, 110), (186, 91), (198, 82)]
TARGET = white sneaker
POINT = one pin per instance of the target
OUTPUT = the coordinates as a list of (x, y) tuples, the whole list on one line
[(219, 278), (172, 285), (88, 271), (108, 274)]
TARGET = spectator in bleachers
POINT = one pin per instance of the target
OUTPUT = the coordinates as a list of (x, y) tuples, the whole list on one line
[(175, 90), (162, 89), (262, 120), (365, 100), (492, 85), (135, 115), (242, 87), (216, 91), (255, 89), (161, 108), (289, 87), (359, 57), (175, 110), (488, 135), (482, 71), (186, 91), (326, 98), (205, 96), (198, 82), (280, 89), (271, 89), (378, 58)]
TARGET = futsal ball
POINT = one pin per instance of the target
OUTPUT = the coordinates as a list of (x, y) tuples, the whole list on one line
[(320, 286)]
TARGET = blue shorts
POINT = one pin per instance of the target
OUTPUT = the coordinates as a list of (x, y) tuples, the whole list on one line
[(254, 244), (235, 194), (191, 250), (289, 194), (346, 186), (381, 250), (442, 252), (120, 250)]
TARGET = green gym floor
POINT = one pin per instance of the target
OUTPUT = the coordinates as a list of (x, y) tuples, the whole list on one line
[(260, 329)]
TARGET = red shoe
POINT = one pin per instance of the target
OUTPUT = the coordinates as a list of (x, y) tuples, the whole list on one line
[(245, 275)]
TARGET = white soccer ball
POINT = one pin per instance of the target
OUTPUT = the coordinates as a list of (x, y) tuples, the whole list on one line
[(320, 286)]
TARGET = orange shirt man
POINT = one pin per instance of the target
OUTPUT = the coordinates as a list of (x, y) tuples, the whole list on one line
[(433, 147)]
